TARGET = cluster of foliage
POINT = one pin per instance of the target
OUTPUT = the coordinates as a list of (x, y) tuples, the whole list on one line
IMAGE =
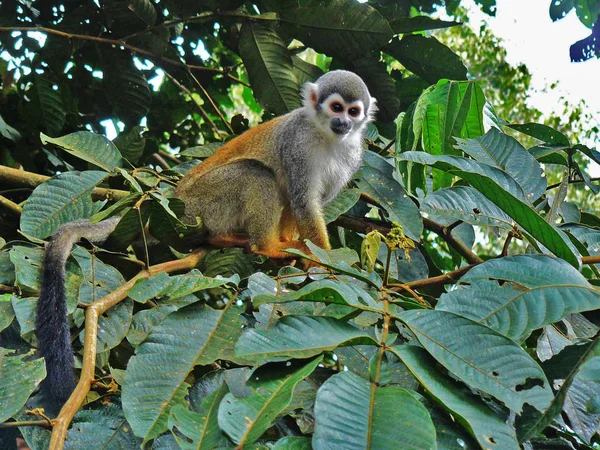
[(404, 337)]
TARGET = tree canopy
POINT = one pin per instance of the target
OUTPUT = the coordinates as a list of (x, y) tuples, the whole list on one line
[(409, 334)]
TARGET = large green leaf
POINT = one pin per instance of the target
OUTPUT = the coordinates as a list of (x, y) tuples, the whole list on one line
[(126, 89), (542, 132), (504, 191), (155, 379), (246, 419), (61, 199), (428, 58), (481, 357), (298, 337), (326, 291), (503, 151), (340, 204), (342, 28), (466, 204), (93, 148), (48, 106), (201, 429), (376, 179), (19, 378), (450, 109), (532, 422), (490, 430), (100, 279), (270, 68), (351, 413), (102, 428), (113, 326)]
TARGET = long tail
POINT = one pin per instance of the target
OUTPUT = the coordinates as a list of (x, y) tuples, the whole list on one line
[(52, 325)]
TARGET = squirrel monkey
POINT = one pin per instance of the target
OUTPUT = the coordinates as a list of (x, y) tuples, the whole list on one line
[(260, 190)]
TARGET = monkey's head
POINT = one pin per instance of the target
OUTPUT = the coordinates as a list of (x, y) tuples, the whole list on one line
[(339, 103)]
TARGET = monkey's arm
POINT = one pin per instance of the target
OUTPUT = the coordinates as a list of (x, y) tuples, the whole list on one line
[(305, 201), (52, 326)]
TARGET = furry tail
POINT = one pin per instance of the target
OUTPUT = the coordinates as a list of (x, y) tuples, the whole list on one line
[(52, 325)]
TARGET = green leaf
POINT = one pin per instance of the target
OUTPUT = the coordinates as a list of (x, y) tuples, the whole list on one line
[(127, 90), (542, 132), (63, 198), (298, 337), (467, 205), (24, 310), (343, 28), (19, 378), (340, 204), (48, 106), (201, 430), (7, 313), (531, 421), (246, 419), (93, 148), (375, 179), (503, 151), (270, 68), (489, 429), (352, 413), (171, 287), (100, 279), (155, 379), (428, 58), (403, 25), (501, 189), (104, 427), (326, 291), (131, 143), (293, 443), (304, 71), (481, 357)]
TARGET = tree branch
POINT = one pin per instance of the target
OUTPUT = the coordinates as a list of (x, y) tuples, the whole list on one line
[(92, 314), (16, 177), (10, 205)]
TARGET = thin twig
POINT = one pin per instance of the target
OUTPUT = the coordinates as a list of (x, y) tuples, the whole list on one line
[(11, 206), (168, 156), (198, 105), (116, 43), (555, 185), (161, 161), (26, 423), (212, 102)]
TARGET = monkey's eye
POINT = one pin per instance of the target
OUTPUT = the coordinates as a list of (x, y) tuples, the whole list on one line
[(354, 112), (337, 107)]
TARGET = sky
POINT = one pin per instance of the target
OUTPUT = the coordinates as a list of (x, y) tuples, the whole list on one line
[(532, 38)]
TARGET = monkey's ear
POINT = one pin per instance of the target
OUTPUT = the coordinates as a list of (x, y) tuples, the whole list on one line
[(373, 108), (310, 95)]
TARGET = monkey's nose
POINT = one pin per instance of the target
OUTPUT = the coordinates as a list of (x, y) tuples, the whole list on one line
[(340, 126)]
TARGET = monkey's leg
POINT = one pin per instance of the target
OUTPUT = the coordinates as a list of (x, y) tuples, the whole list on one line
[(288, 230)]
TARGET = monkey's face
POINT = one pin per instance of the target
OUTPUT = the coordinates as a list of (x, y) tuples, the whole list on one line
[(340, 116)]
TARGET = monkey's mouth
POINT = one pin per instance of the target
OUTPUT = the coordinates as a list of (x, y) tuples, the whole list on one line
[(341, 129)]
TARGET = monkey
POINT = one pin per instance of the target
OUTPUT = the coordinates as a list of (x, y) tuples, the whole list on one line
[(261, 190)]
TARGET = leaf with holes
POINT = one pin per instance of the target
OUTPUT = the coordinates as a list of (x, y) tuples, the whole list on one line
[(19, 379), (246, 419), (481, 357), (486, 427)]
